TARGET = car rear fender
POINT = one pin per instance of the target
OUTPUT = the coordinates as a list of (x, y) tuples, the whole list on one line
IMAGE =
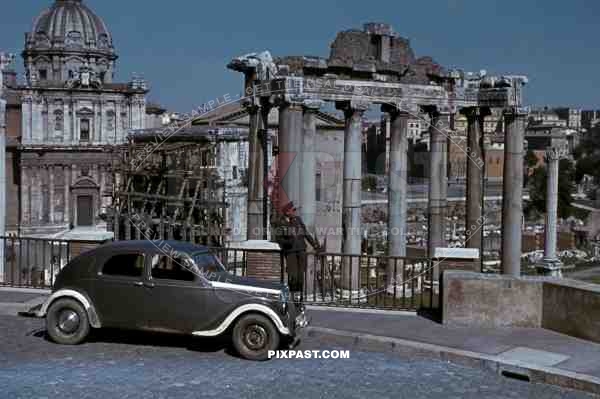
[(241, 310), (78, 296)]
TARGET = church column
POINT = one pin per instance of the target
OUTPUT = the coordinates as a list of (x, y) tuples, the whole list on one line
[(438, 180), (512, 190), (67, 195), (26, 118), (397, 193), (25, 195), (37, 119), (351, 201), (51, 170)]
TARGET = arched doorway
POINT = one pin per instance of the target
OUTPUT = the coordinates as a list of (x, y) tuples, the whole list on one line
[(85, 197)]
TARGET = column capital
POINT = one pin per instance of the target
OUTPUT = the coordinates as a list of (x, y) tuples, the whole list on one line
[(475, 112), (440, 110), (556, 153), (350, 107), (292, 104), (311, 105), (516, 112)]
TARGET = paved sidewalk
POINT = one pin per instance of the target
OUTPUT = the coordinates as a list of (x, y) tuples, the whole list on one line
[(15, 300), (530, 348)]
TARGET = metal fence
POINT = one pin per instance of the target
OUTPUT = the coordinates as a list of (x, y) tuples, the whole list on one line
[(333, 279), (327, 279), (35, 262)]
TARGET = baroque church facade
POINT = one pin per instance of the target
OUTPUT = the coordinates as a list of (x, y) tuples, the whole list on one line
[(63, 122)]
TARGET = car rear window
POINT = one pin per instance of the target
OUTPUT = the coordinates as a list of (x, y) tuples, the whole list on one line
[(128, 265)]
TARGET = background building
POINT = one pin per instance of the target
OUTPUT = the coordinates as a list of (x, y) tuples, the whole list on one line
[(62, 119)]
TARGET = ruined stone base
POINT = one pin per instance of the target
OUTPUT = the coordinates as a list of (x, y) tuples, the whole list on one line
[(550, 267)]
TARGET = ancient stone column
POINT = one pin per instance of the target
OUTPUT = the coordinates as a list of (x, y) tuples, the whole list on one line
[(265, 140), (438, 180), (551, 265), (351, 200), (290, 149), (4, 61), (397, 194), (308, 193), (512, 190), (308, 172), (255, 176), (475, 179)]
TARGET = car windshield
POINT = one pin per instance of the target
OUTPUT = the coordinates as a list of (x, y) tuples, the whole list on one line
[(208, 264)]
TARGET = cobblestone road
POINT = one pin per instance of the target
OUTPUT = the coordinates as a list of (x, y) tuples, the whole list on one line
[(117, 365)]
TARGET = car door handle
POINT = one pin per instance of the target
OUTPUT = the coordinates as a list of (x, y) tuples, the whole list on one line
[(138, 284), (149, 285)]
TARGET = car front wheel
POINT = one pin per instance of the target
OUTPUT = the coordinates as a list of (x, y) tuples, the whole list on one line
[(254, 336), (67, 322)]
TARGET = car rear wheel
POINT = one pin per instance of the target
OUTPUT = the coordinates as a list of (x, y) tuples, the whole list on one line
[(254, 336), (67, 322)]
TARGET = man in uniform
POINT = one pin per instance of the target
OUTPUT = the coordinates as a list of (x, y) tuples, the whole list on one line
[(292, 235)]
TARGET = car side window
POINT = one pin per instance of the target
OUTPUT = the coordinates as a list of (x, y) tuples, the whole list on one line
[(171, 268), (128, 265)]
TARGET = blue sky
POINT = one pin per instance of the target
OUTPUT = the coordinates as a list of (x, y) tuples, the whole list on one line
[(182, 46)]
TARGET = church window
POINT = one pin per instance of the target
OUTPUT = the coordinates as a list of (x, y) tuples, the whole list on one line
[(71, 74), (58, 121), (110, 120), (43, 74), (84, 130), (74, 39)]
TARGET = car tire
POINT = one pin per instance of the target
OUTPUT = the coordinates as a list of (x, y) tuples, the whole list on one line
[(67, 322), (254, 336)]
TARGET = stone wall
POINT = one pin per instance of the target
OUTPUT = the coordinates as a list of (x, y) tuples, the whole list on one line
[(489, 300), (572, 308)]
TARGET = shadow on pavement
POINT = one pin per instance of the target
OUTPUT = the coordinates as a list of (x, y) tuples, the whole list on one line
[(155, 339)]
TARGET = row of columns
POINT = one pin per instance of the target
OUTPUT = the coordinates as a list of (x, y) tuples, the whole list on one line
[(297, 131)]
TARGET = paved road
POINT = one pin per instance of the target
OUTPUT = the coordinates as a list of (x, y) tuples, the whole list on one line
[(135, 365)]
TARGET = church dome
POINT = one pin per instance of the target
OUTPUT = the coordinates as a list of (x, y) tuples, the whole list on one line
[(65, 37), (70, 24)]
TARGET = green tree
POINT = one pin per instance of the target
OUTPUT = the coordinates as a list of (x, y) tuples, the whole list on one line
[(587, 156), (566, 187), (530, 161)]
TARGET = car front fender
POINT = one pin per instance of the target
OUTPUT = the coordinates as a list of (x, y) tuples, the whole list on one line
[(240, 310)]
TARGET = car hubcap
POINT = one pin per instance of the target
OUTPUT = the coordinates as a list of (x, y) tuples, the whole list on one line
[(255, 337), (68, 321)]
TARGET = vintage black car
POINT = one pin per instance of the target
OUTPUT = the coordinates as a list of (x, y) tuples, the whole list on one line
[(169, 286)]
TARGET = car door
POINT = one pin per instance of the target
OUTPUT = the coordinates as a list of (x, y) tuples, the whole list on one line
[(178, 297), (120, 290)]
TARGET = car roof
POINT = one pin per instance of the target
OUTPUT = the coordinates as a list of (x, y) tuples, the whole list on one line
[(156, 246)]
